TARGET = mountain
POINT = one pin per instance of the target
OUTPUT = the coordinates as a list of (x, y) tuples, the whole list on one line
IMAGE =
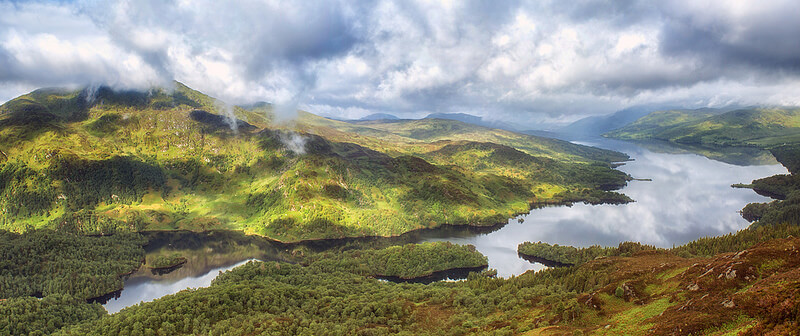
[(471, 119), (758, 127), (91, 162), (102, 160), (398, 137), (379, 116), (597, 125)]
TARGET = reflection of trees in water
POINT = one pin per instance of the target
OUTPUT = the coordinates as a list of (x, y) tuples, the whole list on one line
[(206, 251), (740, 156)]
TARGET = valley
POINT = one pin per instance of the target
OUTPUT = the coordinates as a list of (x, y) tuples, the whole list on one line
[(167, 160), (366, 168), (381, 211)]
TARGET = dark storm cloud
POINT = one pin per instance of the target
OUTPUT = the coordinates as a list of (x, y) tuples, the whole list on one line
[(767, 39), (319, 33)]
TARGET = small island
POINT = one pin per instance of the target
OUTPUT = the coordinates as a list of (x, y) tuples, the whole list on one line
[(407, 263), (562, 256), (162, 262), (549, 255)]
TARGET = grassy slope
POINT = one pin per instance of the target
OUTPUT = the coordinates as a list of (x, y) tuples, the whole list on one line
[(424, 135), (99, 161), (760, 127)]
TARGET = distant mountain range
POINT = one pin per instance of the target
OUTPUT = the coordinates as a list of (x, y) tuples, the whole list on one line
[(463, 117), (379, 116), (596, 125)]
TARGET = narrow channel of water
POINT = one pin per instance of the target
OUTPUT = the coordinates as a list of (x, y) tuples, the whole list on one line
[(141, 288)]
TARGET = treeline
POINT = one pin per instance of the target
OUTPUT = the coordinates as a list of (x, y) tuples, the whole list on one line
[(784, 188), (592, 196), (702, 247), (165, 261), (289, 299), (569, 255), (732, 242), (44, 262), (88, 222), (405, 262), (31, 316)]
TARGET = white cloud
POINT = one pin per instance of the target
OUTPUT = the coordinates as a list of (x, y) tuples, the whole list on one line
[(538, 62)]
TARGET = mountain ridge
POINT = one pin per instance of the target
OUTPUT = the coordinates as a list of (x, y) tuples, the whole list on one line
[(750, 127), (178, 159)]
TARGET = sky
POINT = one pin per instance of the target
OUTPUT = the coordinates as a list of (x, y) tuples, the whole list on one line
[(529, 62)]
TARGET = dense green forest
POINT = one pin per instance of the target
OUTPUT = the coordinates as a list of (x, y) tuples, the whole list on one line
[(165, 261), (32, 316), (626, 289), (65, 270), (405, 262), (335, 293), (45, 262), (99, 161)]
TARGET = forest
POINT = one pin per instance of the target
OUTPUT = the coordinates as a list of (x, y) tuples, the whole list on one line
[(570, 256), (335, 293), (405, 262), (322, 298), (784, 188), (47, 277), (44, 262)]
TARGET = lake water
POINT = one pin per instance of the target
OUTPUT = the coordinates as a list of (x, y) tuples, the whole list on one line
[(689, 197), (144, 289)]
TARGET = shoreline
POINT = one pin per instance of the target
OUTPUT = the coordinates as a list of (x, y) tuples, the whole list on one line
[(451, 273), (543, 261), (476, 227)]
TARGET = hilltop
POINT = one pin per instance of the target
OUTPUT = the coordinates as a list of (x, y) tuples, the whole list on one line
[(752, 127), (98, 160), (597, 125)]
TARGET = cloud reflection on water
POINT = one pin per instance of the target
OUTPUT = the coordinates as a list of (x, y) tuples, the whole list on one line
[(689, 197), (149, 290)]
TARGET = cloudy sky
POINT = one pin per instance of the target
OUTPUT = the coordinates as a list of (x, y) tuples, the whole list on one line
[(536, 62)]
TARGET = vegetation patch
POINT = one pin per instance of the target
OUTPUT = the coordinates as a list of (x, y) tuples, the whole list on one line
[(44, 262), (165, 261)]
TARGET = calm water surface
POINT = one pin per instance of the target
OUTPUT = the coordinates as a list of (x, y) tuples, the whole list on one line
[(689, 197), (145, 289)]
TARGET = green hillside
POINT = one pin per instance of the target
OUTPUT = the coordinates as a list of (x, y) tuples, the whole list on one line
[(424, 135), (757, 127), (100, 160)]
